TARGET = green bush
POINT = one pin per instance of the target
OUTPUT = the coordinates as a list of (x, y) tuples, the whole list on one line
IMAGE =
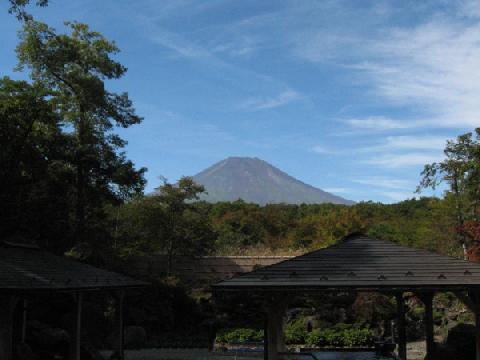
[(241, 335), (295, 332), (343, 336)]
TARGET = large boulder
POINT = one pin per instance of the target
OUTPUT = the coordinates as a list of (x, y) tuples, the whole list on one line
[(135, 337)]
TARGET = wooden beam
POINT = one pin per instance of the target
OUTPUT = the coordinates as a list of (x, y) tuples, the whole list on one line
[(477, 333), (275, 339), (402, 335), (76, 336), (24, 321), (427, 300), (265, 337), (119, 312), (7, 309), (474, 305)]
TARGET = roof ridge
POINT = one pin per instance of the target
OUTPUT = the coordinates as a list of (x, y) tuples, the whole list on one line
[(20, 245)]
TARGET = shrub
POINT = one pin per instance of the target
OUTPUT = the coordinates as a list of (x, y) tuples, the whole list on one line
[(295, 332), (343, 336), (241, 335)]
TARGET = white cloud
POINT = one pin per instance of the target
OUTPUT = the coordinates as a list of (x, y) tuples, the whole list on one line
[(384, 182), (398, 195), (470, 8), (403, 160), (390, 144), (270, 103), (415, 142), (431, 67), (434, 66), (318, 149), (337, 190), (381, 123)]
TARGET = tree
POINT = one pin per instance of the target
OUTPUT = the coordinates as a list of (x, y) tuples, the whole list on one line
[(176, 200), (75, 66), (461, 171), (17, 7), (167, 222), (35, 175)]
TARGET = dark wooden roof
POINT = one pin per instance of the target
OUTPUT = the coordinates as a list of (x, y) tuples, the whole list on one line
[(26, 268), (360, 263)]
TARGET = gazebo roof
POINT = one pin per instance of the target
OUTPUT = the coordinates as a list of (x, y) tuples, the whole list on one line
[(28, 268), (358, 262)]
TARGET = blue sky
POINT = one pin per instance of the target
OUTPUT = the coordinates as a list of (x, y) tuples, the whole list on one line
[(349, 96)]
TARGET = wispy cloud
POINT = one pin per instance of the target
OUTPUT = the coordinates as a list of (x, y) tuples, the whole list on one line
[(398, 195), (402, 143), (389, 145), (381, 123), (384, 182), (470, 8), (269, 103), (179, 45), (338, 190), (431, 66), (402, 160), (319, 149)]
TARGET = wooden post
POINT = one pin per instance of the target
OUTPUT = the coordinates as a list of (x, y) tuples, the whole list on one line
[(477, 326), (472, 301), (24, 320), (119, 313), (7, 309), (402, 336), (275, 309), (76, 336), (265, 337), (427, 300)]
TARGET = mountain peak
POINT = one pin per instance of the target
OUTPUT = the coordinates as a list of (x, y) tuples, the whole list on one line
[(255, 180)]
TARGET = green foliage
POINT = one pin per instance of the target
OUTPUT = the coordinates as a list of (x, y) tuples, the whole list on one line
[(17, 7), (296, 332), (74, 66), (461, 171), (425, 223), (232, 336), (166, 222), (343, 335), (36, 177)]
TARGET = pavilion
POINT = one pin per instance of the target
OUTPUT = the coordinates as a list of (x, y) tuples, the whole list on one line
[(28, 273), (359, 263)]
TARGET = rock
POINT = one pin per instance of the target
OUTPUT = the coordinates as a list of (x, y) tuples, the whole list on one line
[(135, 337)]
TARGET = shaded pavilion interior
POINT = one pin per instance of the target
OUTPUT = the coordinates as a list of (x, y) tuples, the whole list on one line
[(28, 273), (361, 264)]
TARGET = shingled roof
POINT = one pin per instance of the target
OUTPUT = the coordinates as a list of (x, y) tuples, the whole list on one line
[(28, 268), (358, 262)]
